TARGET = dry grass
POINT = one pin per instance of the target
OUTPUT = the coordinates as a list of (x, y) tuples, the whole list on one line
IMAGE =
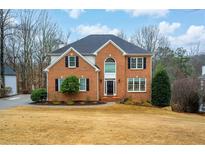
[(117, 124)]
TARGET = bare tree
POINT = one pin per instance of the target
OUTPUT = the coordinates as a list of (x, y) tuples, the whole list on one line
[(149, 38), (122, 35), (47, 40), (26, 33), (5, 19)]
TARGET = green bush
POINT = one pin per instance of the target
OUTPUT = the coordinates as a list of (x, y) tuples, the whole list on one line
[(70, 85), (56, 103), (39, 95), (161, 89), (70, 102)]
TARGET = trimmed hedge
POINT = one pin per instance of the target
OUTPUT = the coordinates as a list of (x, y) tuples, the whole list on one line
[(39, 95), (70, 85), (161, 88)]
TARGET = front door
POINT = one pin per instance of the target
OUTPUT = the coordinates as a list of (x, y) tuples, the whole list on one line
[(110, 89)]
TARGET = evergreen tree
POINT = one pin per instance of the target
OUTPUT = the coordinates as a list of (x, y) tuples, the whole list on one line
[(161, 89)]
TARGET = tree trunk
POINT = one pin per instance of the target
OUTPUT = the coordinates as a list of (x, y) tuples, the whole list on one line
[(2, 49)]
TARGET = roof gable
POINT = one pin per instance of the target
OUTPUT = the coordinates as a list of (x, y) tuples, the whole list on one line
[(9, 71), (70, 49), (91, 43)]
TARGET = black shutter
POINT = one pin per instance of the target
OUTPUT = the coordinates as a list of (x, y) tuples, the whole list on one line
[(87, 84), (128, 62), (145, 62), (77, 61), (66, 61), (56, 84)]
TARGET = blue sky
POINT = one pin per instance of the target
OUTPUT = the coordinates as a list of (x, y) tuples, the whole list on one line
[(182, 27)]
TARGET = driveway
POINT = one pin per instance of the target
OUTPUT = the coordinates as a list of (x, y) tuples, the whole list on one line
[(14, 101)]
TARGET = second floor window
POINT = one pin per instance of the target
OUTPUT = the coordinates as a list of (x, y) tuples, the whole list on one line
[(136, 62), (72, 61), (110, 65)]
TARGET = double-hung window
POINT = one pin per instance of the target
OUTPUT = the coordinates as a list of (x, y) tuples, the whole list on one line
[(136, 84), (71, 61), (136, 62), (82, 82)]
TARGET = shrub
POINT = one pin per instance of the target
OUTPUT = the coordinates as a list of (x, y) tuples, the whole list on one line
[(185, 96), (161, 89), (70, 102), (39, 95), (5, 91), (56, 102), (70, 85)]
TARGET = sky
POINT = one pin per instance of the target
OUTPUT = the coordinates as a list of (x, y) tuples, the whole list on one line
[(183, 28)]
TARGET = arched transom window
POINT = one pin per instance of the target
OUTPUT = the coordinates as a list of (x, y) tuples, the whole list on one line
[(110, 65)]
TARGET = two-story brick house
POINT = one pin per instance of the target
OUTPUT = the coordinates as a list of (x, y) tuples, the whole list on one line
[(107, 66)]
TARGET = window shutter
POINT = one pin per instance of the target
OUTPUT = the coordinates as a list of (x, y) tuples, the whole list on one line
[(66, 61), (128, 62), (56, 84), (77, 61), (145, 62), (87, 84)]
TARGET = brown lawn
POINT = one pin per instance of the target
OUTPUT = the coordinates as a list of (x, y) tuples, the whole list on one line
[(117, 124)]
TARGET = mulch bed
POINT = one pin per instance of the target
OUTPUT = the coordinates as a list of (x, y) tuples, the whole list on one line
[(76, 103)]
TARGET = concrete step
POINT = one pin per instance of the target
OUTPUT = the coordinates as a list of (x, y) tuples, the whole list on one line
[(110, 98)]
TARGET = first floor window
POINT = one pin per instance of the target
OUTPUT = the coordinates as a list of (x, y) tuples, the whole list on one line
[(58, 83), (72, 61), (82, 84), (136, 84)]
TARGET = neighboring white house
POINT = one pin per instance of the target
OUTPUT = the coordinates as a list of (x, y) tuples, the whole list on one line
[(10, 79)]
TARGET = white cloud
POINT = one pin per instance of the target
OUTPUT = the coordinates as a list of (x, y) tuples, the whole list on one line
[(154, 13), (96, 29), (75, 13), (193, 36), (168, 28)]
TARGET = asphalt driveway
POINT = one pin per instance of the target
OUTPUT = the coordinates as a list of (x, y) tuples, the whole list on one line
[(14, 101)]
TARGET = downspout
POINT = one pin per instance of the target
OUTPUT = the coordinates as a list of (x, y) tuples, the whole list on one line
[(47, 84)]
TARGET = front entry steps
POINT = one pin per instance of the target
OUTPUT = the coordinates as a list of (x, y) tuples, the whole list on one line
[(110, 98)]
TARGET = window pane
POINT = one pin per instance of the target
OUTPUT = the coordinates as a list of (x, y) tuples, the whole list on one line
[(130, 84), (142, 84), (139, 63), (72, 61), (109, 67), (136, 84), (82, 84), (133, 62)]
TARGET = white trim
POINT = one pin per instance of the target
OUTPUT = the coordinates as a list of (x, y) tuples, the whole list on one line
[(139, 85), (85, 85), (139, 54), (69, 62), (47, 84), (114, 87), (59, 58), (97, 91), (109, 41), (137, 63)]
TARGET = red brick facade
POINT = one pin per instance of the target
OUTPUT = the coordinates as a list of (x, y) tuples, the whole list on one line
[(96, 90)]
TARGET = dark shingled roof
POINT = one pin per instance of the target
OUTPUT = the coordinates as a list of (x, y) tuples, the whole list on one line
[(89, 44), (9, 71)]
